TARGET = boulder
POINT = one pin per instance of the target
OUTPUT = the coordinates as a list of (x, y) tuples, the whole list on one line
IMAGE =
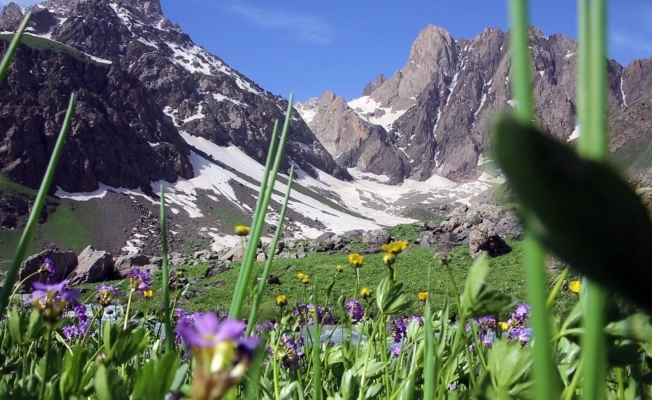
[(484, 238), (233, 254), (65, 263), (202, 255), (427, 239), (376, 237), (217, 268), (125, 263), (93, 266)]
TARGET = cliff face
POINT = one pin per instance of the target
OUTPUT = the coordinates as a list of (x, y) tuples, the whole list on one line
[(436, 109), (147, 83)]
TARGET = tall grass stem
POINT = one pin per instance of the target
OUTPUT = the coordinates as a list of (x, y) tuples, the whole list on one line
[(167, 321), (534, 253)]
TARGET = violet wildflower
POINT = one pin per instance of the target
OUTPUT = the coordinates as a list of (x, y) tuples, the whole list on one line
[(139, 280), (221, 353), (398, 329), (354, 310), (51, 299), (417, 318), (106, 294), (452, 386), (290, 351), (521, 311), (47, 267), (521, 334), (396, 350)]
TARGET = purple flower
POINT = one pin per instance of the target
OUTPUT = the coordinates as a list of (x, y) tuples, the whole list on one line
[(396, 350), (521, 334), (290, 351), (354, 310), (452, 386), (47, 267), (418, 318), (521, 312), (208, 331), (398, 329), (106, 293), (140, 280)]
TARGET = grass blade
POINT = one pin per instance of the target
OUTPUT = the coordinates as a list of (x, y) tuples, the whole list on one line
[(316, 347), (592, 144), (259, 218), (11, 51), (169, 336), (25, 239), (534, 253), (268, 264)]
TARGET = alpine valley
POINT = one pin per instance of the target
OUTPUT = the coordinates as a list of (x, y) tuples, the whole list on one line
[(154, 108)]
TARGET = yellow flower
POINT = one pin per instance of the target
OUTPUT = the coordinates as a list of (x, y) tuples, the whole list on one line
[(148, 294), (281, 300), (340, 268), (503, 326), (365, 293), (305, 281), (423, 296), (395, 247), (242, 230), (574, 286), (302, 276), (355, 260), (389, 259)]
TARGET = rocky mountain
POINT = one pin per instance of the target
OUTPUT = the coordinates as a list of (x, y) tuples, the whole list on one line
[(373, 85), (435, 110), (155, 109), (155, 64)]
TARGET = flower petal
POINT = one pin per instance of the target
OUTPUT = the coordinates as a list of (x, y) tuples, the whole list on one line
[(230, 329)]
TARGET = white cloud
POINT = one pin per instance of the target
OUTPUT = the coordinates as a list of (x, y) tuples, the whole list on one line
[(308, 28)]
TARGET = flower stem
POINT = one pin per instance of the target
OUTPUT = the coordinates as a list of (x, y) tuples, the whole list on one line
[(101, 311), (44, 383), (131, 293), (21, 284)]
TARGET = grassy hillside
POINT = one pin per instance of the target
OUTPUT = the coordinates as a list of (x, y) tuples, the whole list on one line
[(215, 293)]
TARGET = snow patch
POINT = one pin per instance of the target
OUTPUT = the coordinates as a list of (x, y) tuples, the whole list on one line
[(367, 108), (575, 134)]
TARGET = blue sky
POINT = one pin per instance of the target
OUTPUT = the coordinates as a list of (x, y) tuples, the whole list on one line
[(307, 47)]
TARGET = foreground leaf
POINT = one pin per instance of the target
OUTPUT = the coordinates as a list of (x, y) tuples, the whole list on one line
[(582, 210)]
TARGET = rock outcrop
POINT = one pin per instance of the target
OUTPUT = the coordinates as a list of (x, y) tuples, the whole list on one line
[(437, 108)]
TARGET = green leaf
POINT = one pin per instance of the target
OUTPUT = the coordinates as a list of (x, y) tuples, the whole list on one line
[(475, 280), (109, 385), (162, 371), (72, 373), (36, 327), (582, 210), (636, 327), (390, 298), (14, 325)]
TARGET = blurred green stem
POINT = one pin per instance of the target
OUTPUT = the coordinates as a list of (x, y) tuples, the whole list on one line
[(46, 364), (592, 144)]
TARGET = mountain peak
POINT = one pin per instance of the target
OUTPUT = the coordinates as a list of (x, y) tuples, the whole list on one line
[(373, 85)]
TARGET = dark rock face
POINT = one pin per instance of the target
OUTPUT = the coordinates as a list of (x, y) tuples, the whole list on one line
[(373, 85), (93, 266), (449, 89), (355, 142), (64, 265), (129, 112), (484, 238), (118, 135)]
